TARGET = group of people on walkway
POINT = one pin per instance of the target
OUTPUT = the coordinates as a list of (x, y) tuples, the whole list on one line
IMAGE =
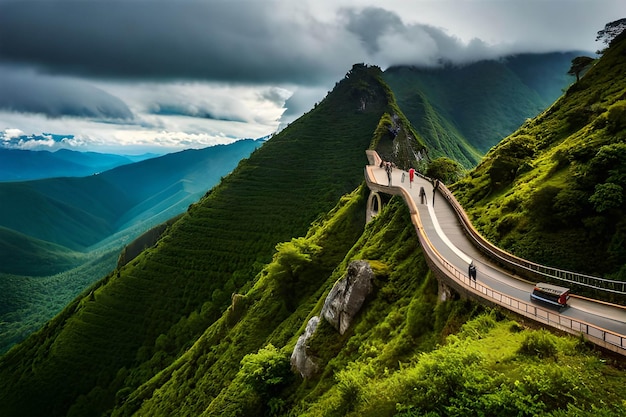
[(389, 167)]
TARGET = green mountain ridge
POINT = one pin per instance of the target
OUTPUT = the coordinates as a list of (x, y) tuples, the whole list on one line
[(462, 111), (60, 235), (204, 322)]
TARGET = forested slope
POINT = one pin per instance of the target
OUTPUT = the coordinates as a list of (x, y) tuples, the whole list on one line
[(565, 170), (462, 111), (136, 321)]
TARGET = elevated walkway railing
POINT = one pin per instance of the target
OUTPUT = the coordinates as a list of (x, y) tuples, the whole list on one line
[(523, 265), (460, 280)]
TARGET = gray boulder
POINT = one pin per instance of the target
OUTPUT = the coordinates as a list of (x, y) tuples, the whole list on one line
[(300, 359), (348, 295)]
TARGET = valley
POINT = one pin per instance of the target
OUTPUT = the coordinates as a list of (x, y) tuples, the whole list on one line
[(59, 235)]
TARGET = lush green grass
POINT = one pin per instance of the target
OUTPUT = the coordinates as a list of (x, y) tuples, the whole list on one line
[(566, 171), (491, 368), (406, 354)]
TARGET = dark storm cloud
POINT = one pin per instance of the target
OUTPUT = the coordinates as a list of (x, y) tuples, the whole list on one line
[(246, 41), (392, 42), (23, 91), (370, 24)]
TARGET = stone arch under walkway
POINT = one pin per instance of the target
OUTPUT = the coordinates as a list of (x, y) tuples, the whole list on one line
[(374, 206)]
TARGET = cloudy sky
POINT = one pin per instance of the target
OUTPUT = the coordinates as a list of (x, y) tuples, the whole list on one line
[(131, 76)]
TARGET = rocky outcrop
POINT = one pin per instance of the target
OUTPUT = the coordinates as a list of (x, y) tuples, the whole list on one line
[(445, 293), (348, 295), (300, 359)]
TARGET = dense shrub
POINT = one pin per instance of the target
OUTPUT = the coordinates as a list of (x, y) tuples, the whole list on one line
[(444, 169), (616, 118), (541, 205), (266, 371), (607, 196), (539, 343)]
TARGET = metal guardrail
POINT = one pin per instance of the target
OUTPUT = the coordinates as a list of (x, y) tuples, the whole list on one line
[(589, 281), (595, 334)]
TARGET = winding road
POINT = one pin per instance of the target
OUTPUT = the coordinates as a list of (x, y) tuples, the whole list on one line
[(449, 251)]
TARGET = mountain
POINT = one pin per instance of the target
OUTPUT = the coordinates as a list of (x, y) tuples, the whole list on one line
[(224, 240), (78, 213), (204, 322), (60, 235), (566, 170), (24, 165), (462, 111)]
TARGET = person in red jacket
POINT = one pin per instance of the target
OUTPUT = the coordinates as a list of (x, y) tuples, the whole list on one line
[(411, 176)]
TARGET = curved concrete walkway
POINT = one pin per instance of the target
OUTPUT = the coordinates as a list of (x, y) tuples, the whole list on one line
[(442, 227)]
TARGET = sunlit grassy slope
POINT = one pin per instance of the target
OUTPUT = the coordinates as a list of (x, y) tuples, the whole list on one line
[(553, 191), (461, 112)]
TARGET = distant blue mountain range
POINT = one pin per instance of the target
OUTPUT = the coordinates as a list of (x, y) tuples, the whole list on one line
[(23, 165), (71, 212)]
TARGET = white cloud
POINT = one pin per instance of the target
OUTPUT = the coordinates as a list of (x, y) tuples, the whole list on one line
[(9, 134), (167, 116)]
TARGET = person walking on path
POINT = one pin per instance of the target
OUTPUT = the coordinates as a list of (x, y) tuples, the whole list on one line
[(388, 169), (471, 271), (411, 176), (423, 198), (435, 186)]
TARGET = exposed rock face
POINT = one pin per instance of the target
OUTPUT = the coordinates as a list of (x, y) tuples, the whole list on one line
[(348, 295), (299, 358), (445, 292)]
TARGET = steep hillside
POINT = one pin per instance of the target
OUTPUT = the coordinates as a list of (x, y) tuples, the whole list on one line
[(565, 170), (461, 112), (137, 321), (388, 362), (58, 236)]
